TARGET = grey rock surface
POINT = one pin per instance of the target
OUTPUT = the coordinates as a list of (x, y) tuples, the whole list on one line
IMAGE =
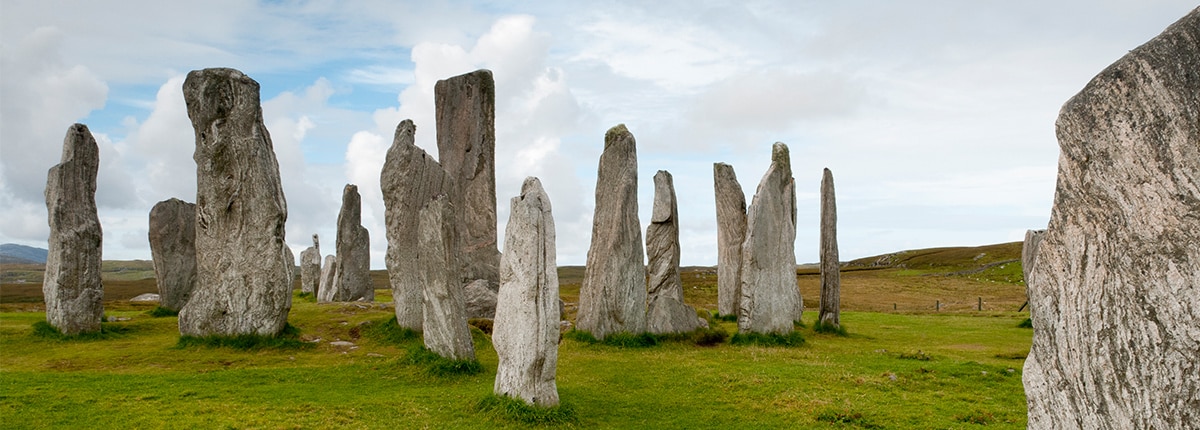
[(410, 179), (172, 237), (146, 297), (526, 329), (612, 297), (466, 139), (829, 312), (1114, 295), (242, 284), (328, 279), (445, 327), (71, 285), (731, 234), (1033, 239), (666, 311), (480, 296), (353, 270), (770, 296), (310, 267)]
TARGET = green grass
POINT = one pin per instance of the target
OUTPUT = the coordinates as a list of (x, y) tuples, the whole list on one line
[(789, 339), (159, 312), (507, 409), (288, 339), (828, 328), (438, 366), (43, 330)]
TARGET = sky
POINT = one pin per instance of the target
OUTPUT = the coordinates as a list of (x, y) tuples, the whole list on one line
[(936, 117)]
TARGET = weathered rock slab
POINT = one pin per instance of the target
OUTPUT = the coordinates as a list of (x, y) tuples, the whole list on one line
[(328, 280), (72, 287), (310, 267), (731, 234), (172, 237), (829, 313), (770, 296), (666, 310), (353, 270), (446, 332), (480, 296)]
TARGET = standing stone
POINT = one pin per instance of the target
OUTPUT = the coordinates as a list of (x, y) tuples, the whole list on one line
[(466, 138), (242, 284), (770, 297), (292, 270), (1113, 297), (1033, 239), (310, 267), (831, 278), (445, 327), (72, 287), (328, 280), (731, 234), (172, 237), (480, 299), (666, 311), (526, 331), (353, 270), (612, 297), (410, 179)]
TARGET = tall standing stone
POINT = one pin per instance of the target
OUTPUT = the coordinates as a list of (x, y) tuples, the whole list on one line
[(1033, 239), (466, 138), (410, 179), (666, 311), (353, 270), (172, 237), (242, 284), (612, 297), (526, 328), (731, 234), (831, 278), (770, 297), (445, 327), (310, 267), (328, 280), (1114, 290), (72, 287)]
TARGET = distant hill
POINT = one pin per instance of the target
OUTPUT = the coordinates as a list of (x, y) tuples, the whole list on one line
[(950, 259), (11, 253)]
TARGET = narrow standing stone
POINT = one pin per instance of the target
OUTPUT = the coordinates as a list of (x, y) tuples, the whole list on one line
[(612, 297), (526, 329), (445, 327), (353, 270), (831, 278), (770, 297), (666, 311), (310, 267), (172, 237), (72, 288), (731, 234), (242, 284), (328, 280), (1033, 239)]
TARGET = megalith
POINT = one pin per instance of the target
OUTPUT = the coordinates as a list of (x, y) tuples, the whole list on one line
[(328, 280), (1113, 292), (731, 234), (172, 237), (829, 313), (666, 312), (770, 296), (480, 298), (466, 139), (310, 267), (445, 328), (71, 285), (353, 269), (612, 297), (410, 179), (526, 329), (1033, 239)]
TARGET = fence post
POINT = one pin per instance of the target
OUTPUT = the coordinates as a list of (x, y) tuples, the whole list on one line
[(937, 307), (981, 304)]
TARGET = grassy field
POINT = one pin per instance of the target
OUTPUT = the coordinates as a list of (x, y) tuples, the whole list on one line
[(911, 368)]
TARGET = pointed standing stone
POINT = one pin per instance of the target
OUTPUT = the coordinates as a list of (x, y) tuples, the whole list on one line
[(831, 278), (612, 297), (666, 311), (172, 237), (410, 179), (310, 267), (731, 234), (353, 270), (445, 327), (770, 296), (242, 284), (72, 288), (526, 329), (1115, 289), (328, 280), (466, 138)]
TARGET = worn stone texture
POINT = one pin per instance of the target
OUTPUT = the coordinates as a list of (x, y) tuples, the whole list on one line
[(612, 297), (353, 270), (1033, 239), (466, 139), (310, 267), (831, 279), (410, 179), (291, 260), (1115, 291), (242, 284), (526, 329), (731, 234), (328, 280), (665, 311), (480, 296), (172, 236), (71, 285), (770, 296), (445, 326)]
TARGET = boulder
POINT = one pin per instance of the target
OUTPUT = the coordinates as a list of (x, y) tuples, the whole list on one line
[(770, 296), (328, 280), (526, 329), (353, 270), (310, 267), (445, 328), (731, 234), (666, 311), (829, 313), (481, 299), (1113, 292), (146, 298), (172, 237), (71, 285)]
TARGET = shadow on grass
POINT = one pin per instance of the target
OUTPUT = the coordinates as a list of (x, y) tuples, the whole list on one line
[(828, 328), (389, 332), (1027, 323), (44, 330), (704, 336), (160, 312), (789, 339), (436, 365), (289, 338), (305, 297), (505, 408)]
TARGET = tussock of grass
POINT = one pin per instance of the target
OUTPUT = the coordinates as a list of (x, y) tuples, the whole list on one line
[(159, 312), (388, 331), (790, 339), (509, 409), (725, 318), (825, 328), (44, 330), (289, 338), (704, 336), (1027, 323), (483, 324), (436, 365), (977, 417), (919, 356), (305, 297), (842, 416)]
